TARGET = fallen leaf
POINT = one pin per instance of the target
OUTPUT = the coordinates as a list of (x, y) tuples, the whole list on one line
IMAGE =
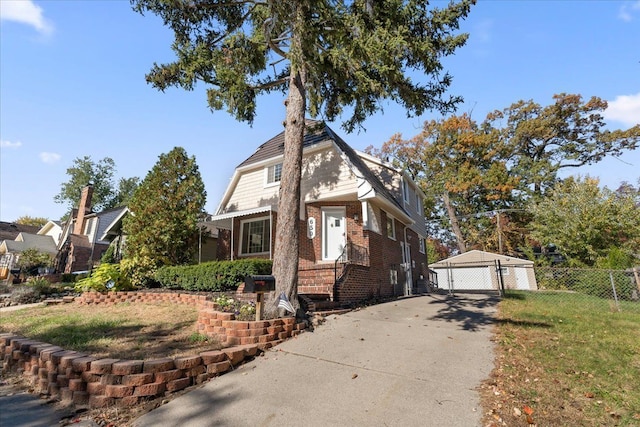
[(517, 412), (527, 410), (354, 376), (589, 395), (530, 419)]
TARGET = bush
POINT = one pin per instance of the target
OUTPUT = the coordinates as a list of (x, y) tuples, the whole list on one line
[(109, 255), (107, 277), (40, 284), (140, 271), (32, 259), (214, 276)]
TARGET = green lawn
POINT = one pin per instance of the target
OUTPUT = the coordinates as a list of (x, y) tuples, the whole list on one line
[(572, 359)]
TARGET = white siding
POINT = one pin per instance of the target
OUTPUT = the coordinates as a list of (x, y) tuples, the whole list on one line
[(325, 175), (250, 192)]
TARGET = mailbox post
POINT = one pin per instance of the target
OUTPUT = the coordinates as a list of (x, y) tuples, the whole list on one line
[(259, 284)]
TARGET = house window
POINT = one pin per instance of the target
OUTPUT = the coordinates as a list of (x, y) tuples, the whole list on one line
[(419, 207), (393, 277), (405, 191), (422, 245), (256, 237), (274, 174), (391, 227), (89, 228)]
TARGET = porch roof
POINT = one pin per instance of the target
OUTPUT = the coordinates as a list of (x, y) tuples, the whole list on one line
[(225, 220)]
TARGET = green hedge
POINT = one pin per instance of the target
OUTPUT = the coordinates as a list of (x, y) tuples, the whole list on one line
[(214, 276)]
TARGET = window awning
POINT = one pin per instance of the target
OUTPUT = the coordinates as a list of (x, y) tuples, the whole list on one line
[(225, 221)]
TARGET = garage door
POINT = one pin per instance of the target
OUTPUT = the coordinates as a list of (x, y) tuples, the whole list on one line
[(465, 279)]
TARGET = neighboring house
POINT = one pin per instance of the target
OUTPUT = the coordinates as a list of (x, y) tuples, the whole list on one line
[(478, 271), (362, 226), (10, 230), (114, 235), (84, 237), (10, 250), (53, 229)]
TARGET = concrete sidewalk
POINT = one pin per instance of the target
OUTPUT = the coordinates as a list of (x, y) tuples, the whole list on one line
[(412, 362)]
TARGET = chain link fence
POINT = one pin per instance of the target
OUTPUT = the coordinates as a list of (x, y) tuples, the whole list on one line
[(612, 290), (615, 290)]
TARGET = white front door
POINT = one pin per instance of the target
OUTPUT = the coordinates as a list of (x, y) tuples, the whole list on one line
[(333, 232), (406, 263)]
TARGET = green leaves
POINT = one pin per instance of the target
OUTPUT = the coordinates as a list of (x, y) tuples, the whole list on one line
[(587, 223), (105, 193), (353, 53), (107, 277), (164, 210)]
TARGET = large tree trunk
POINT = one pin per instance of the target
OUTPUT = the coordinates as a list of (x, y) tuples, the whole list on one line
[(455, 226), (287, 240)]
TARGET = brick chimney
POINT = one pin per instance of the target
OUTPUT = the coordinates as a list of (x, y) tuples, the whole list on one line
[(84, 208)]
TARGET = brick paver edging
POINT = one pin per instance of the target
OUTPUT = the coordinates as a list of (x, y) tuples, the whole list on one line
[(80, 379)]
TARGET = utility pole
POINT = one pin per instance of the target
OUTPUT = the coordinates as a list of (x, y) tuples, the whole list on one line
[(499, 234)]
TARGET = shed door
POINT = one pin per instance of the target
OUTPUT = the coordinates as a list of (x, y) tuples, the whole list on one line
[(522, 279), (333, 232)]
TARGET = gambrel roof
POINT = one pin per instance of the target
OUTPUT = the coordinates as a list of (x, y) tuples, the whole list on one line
[(317, 132)]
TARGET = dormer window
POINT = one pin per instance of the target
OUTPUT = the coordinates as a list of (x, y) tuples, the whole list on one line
[(274, 174)]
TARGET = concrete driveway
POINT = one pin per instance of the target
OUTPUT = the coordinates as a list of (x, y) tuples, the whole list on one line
[(413, 362)]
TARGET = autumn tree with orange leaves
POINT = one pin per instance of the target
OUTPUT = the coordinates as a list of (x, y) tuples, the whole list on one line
[(480, 178)]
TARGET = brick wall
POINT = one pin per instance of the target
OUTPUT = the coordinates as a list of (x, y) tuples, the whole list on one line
[(80, 379), (316, 276)]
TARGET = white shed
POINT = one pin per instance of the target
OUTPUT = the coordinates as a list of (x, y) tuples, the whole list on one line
[(478, 271)]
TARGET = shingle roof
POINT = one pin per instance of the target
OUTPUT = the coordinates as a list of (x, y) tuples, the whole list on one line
[(32, 241), (316, 132), (10, 230)]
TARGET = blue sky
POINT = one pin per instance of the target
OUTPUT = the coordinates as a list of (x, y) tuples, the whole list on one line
[(72, 84)]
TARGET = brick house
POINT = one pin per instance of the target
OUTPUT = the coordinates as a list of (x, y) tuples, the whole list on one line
[(362, 227), (84, 238)]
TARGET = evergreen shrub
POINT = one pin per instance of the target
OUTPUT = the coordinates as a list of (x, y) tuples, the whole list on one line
[(213, 276)]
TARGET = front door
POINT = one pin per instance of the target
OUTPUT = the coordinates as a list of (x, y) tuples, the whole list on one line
[(333, 232), (406, 263)]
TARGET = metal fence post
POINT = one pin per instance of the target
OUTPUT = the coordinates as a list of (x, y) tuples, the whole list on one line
[(613, 286), (500, 279)]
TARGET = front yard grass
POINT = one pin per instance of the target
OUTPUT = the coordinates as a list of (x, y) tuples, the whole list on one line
[(120, 331), (561, 362)]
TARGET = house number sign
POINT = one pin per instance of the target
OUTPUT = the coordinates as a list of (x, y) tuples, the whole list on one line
[(311, 228)]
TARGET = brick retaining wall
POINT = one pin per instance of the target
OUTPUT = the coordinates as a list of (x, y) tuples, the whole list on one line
[(80, 379)]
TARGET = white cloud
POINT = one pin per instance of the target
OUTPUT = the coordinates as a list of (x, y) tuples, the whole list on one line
[(628, 9), (49, 157), (9, 144), (624, 109), (25, 12)]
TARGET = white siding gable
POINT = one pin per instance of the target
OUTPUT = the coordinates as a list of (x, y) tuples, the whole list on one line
[(325, 176)]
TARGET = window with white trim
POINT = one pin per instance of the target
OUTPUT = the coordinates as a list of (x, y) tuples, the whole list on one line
[(255, 236), (422, 245), (405, 191), (274, 174), (419, 207), (391, 227)]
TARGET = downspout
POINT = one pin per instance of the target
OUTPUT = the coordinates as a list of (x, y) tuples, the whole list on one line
[(409, 290), (232, 221), (270, 232)]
